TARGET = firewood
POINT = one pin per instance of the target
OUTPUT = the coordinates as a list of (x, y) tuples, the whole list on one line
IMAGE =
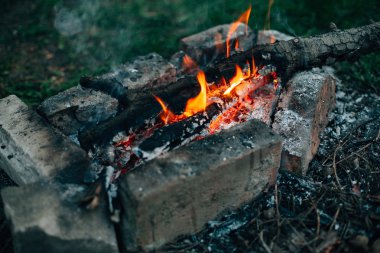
[(140, 111), (308, 52), (176, 134)]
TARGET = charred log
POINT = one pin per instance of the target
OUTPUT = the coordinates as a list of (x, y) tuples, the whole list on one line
[(109, 86), (140, 112), (305, 53), (176, 134)]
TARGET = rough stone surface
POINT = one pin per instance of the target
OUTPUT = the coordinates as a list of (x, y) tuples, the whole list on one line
[(144, 74), (302, 115), (44, 218), (205, 46), (31, 150), (264, 103), (78, 108), (271, 36), (178, 192)]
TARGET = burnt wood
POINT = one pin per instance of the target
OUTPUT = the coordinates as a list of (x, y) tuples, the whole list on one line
[(176, 134), (305, 53)]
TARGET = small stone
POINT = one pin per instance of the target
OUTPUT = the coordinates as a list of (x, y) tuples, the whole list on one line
[(269, 213)]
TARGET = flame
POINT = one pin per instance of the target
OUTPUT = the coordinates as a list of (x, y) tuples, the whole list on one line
[(166, 115), (193, 105), (236, 80), (242, 19), (198, 103), (188, 62)]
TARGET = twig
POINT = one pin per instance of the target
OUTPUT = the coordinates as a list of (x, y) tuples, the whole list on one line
[(354, 153), (277, 209), (334, 220), (266, 247), (335, 172)]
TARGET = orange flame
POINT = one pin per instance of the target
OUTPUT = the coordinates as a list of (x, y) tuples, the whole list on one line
[(166, 115), (188, 62), (198, 103), (242, 19), (236, 80), (193, 105)]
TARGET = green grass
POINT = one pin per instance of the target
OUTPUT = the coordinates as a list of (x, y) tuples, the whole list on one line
[(38, 61)]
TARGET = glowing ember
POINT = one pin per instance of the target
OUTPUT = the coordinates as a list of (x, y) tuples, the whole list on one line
[(242, 19)]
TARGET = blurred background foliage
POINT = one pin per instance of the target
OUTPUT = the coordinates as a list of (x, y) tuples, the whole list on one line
[(46, 45)]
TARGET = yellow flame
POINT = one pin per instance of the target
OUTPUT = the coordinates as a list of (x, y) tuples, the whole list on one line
[(242, 19)]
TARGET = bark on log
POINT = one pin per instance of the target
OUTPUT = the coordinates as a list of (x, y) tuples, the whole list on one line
[(305, 53), (176, 134)]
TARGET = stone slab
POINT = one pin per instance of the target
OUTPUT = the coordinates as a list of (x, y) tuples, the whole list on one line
[(78, 108), (31, 150), (205, 46), (178, 192), (46, 219), (302, 115), (144, 74)]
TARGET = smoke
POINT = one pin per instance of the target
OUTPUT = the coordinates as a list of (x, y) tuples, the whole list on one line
[(67, 22)]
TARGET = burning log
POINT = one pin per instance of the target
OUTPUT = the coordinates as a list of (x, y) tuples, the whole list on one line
[(305, 53), (176, 134), (139, 112)]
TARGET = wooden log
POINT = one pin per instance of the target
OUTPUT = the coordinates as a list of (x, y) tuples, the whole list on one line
[(177, 134), (139, 112), (305, 53)]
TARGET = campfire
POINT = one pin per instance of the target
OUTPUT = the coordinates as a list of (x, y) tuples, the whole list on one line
[(175, 144)]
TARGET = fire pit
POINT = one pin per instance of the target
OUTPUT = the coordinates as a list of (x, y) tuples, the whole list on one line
[(132, 159)]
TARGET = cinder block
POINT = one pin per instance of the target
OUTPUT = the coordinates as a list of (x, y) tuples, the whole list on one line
[(78, 108), (31, 150), (46, 218), (178, 192), (302, 115), (205, 46)]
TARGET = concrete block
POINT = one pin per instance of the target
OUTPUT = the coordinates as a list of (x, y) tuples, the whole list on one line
[(78, 108), (46, 219), (31, 150), (178, 192), (302, 115), (205, 46)]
